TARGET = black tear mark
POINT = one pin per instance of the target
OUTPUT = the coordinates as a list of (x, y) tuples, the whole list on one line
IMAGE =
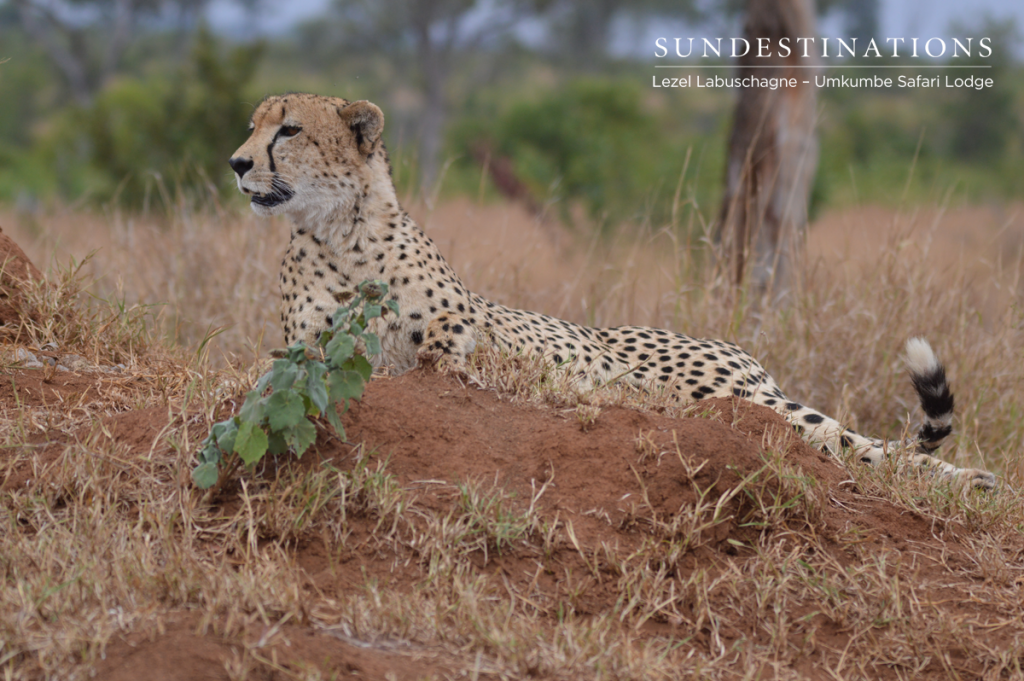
[(270, 147)]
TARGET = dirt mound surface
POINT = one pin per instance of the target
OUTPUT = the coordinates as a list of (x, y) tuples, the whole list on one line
[(430, 427), (450, 516), (182, 654), (611, 474), (15, 270), (610, 483)]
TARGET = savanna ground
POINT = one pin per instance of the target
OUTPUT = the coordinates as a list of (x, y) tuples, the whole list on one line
[(506, 525)]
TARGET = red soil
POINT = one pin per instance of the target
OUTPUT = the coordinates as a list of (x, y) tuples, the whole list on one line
[(433, 429), (15, 269), (434, 432)]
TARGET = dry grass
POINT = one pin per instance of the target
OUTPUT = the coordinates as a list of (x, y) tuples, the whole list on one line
[(115, 544), (872, 279), (112, 543)]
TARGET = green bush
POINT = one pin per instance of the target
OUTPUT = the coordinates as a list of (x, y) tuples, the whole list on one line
[(161, 132), (591, 142), (985, 121), (304, 383)]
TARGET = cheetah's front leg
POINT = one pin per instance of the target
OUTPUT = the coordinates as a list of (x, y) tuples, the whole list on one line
[(874, 453), (975, 477), (448, 342), (822, 430)]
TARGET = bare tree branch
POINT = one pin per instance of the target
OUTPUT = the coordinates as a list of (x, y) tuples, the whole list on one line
[(88, 52), (124, 20), (43, 25), (435, 31)]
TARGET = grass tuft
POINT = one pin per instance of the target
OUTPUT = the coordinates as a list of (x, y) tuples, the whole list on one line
[(757, 571)]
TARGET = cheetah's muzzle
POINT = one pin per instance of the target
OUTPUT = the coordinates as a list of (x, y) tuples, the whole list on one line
[(279, 193)]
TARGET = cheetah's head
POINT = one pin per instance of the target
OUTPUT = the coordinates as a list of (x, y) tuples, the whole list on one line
[(308, 153)]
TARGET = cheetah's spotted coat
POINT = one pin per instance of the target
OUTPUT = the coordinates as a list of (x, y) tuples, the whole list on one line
[(321, 161)]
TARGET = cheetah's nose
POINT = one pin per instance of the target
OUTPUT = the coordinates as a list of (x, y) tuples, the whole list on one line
[(240, 165)]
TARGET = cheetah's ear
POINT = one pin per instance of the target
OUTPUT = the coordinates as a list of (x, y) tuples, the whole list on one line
[(366, 121)]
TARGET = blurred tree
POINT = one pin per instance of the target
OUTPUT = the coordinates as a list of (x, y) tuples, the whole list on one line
[(175, 131), (772, 154), (590, 141), (85, 40), (582, 29), (861, 19), (985, 120), (437, 33)]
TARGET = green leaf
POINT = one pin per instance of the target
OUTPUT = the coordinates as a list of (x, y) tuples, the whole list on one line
[(372, 343), (344, 385), (252, 409), (276, 444), (371, 311), (285, 409), (339, 318), (251, 442), (363, 366), (316, 387), (332, 417), (341, 347), (301, 437), (392, 305), (225, 433), (218, 429), (297, 353), (205, 475), (210, 453), (285, 373), (264, 381), (308, 408)]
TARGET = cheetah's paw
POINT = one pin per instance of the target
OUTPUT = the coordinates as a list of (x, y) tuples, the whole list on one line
[(438, 355), (979, 479)]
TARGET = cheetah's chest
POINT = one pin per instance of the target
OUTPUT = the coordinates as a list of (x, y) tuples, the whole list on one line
[(316, 277)]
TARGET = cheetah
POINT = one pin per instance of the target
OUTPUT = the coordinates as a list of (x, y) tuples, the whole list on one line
[(321, 161)]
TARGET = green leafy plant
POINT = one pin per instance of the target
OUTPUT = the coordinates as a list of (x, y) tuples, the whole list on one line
[(305, 383)]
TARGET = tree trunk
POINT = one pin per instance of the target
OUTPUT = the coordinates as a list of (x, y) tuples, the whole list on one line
[(773, 152), (432, 126), (120, 32), (433, 55)]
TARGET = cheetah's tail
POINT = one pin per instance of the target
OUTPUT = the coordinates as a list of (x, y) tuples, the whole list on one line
[(929, 378)]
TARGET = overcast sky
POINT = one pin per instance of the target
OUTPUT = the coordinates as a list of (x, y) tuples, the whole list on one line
[(921, 18), (909, 17)]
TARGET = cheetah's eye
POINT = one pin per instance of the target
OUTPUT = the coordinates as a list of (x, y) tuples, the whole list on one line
[(289, 130)]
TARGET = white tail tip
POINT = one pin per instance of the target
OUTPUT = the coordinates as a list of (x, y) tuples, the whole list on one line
[(920, 358)]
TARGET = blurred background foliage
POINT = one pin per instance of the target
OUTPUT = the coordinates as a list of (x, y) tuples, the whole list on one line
[(144, 137), (591, 140), (135, 102)]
